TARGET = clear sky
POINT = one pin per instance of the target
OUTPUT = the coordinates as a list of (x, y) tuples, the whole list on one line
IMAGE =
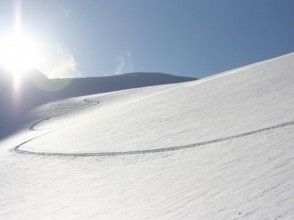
[(184, 37)]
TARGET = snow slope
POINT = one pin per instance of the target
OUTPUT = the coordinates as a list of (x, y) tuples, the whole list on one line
[(216, 148), (36, 89)]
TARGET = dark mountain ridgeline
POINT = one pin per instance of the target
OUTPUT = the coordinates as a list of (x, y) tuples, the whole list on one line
[(36, 89)]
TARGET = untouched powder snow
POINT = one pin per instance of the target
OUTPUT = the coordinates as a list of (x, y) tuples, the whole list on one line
[(216, 148)]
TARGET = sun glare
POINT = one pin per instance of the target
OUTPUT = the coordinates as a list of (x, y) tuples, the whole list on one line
[(19, 54)]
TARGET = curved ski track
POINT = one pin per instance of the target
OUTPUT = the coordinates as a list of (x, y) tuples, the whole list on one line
[(119, 153), (33, 127)]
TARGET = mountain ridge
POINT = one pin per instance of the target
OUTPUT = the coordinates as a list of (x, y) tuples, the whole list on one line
[(35, 89)]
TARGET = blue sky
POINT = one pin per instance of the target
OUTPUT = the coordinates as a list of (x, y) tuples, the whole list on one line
[(185, 37)]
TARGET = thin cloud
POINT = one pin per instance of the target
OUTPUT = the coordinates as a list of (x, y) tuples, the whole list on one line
[(60, 63), (125, 63), (64, 10), (66, 67)]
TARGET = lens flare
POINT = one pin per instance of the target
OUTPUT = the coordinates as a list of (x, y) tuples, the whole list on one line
[(19, 54)]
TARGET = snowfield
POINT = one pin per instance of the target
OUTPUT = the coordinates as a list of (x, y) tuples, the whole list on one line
[(217, 148)]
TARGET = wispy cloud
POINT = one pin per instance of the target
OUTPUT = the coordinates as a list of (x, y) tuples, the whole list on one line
[(66, 67), (64, 10), (124, 63), (60, 63)]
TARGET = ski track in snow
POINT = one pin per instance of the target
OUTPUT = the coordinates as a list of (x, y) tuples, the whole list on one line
[(33, 127)]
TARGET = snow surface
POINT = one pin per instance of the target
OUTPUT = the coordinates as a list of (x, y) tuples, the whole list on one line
[(216, 148)]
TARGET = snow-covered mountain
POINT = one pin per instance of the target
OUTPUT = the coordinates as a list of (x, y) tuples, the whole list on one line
[(216, 148), (35, 89)]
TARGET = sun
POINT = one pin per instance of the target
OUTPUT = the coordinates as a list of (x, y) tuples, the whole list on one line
[(19, 54)]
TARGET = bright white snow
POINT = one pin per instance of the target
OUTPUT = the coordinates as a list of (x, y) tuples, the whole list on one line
[(216, 148)]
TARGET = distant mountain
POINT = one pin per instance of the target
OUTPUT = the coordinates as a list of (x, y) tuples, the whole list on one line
[(85, 86), (35, 89)]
